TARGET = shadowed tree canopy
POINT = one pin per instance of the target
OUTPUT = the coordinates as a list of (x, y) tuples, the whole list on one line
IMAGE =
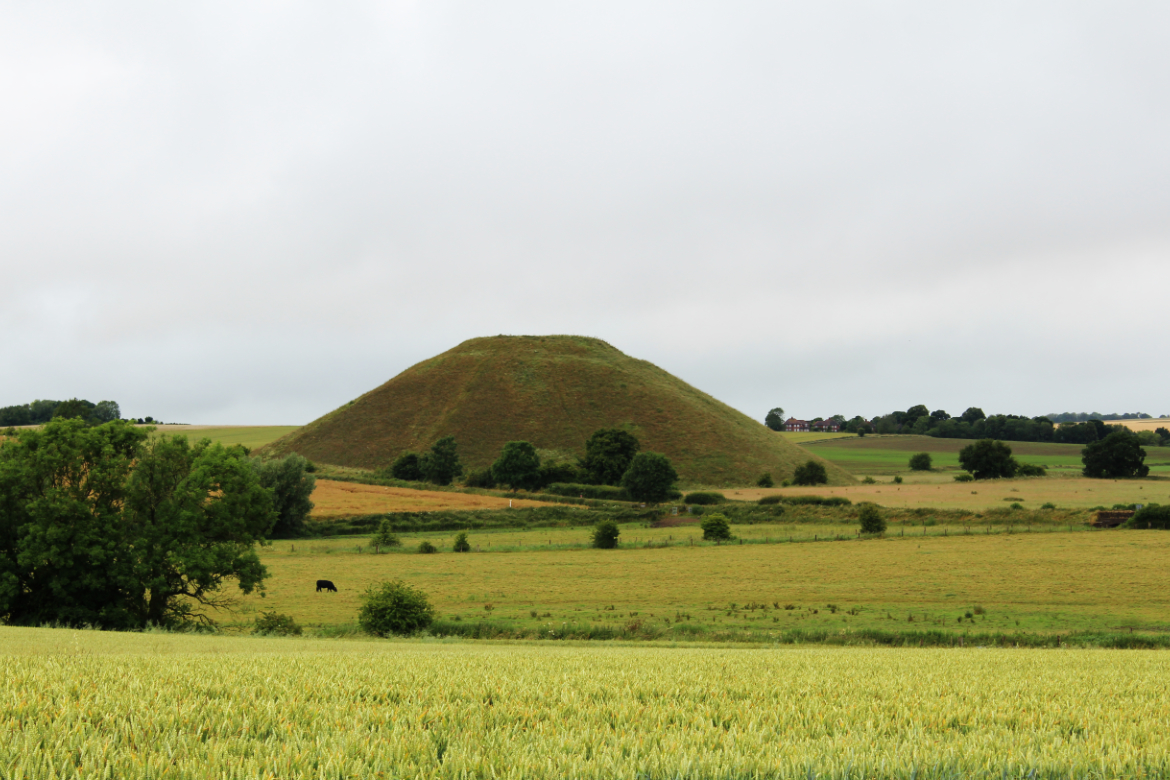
[(608, 454), (1119, 454), (775, 419), (988, 459), (650, 477), (100, 527), (518, 466)]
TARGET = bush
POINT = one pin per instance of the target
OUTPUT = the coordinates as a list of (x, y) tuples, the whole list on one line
[(1030, 470), (426, 548), (602, 492), (461, 543), (704, 498), (394, 608), (650, 477), (921, 462), (963, 478), (609, 452), (275, 624), (811, 473), (551, 473), (871, 519), (385, 537), (1152, 516), (897, 480), (818, 500), (480, 479), (767, 500), (869, 481), (406, 467), (605, 535), (765, 481), (1048, 505), (716, 528)]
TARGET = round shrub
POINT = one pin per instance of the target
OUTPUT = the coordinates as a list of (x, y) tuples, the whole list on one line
[(811, 473), (461, 543), (605, 535), (394, 608), (921, 462), (385, 537), (716, 528), (766, 500), (704, 498), (765, 481), (1152, 516), (871, 519), (963, 478), (275, 624), (426, 548), (650, 477), (1030, 470)]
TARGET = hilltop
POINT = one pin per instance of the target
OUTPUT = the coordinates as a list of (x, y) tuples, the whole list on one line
[(553, 391)]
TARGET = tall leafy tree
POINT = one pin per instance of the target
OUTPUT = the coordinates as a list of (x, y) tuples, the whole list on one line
[(1119, 454), (988, 459), (774, 419), (73, 408), (441, 465), (291, 485), (650, 477), (105, 411), (99, 527), (608, 454), (518, 466)]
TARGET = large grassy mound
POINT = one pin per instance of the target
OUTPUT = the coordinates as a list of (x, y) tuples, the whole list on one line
[(553, 391)]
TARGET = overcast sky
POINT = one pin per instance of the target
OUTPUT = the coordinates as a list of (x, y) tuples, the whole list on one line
[(253, 212)]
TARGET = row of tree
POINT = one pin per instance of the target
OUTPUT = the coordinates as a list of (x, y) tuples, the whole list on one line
[(612, 457), (104, 526), (42, 411)]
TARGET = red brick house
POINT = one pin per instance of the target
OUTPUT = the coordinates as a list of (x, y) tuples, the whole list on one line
[(794, 425)]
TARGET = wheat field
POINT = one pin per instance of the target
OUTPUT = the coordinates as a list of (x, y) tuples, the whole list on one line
[(76, 704)]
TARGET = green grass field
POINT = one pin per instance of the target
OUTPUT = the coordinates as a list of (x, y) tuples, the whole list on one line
[(888, 455), (251, 436), (1040, 579)]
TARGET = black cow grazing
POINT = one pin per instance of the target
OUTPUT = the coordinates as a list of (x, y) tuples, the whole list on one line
[(325, 585)]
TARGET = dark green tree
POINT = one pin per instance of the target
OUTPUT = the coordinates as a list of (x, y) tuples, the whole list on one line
[(650, 477), (73, 408), (988, 459), (716, 528), (775, 419), (973, 415), (41, 411), (765, 480), (441, 465), (1152, 516), (871, 519), (291, 485), (105, 411), (921, 462), (605, 535), (100, 527), (810, 473), (608, 454), (394, 608), (406, 467), (518, 466), (461, 543), (1119, 454)]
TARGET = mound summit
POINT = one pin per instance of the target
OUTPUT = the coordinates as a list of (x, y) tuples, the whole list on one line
[(553, 391)]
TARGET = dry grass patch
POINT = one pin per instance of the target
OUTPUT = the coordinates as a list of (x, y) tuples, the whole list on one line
[(347, 499)]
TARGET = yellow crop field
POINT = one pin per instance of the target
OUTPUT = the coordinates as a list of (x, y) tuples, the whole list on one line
[(940, 491), (251, 436), (345, 499), (79, 704), (1142, 425)]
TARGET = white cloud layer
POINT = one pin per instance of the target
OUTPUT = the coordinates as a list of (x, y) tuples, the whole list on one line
[(253, 212)]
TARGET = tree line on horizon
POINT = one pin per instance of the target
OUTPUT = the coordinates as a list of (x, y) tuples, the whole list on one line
[(42, 411), (974, 424)]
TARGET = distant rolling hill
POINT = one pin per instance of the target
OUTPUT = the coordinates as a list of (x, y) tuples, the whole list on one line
[(553, 391)]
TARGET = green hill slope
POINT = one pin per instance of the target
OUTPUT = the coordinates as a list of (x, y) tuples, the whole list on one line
[(553, 391)]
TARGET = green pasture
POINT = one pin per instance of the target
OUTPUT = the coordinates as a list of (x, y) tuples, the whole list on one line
[(889, 455), (251, 436)]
